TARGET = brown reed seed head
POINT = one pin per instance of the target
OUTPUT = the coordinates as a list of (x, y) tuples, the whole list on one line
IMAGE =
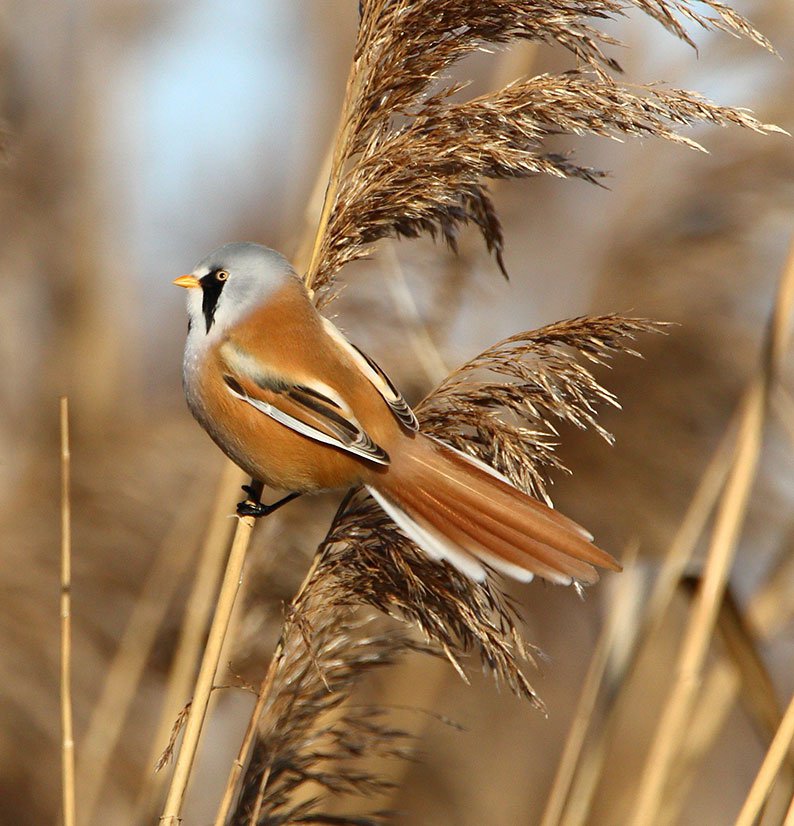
[(411, 160)]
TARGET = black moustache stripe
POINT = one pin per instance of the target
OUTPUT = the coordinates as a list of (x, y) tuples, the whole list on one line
[(211, 288)]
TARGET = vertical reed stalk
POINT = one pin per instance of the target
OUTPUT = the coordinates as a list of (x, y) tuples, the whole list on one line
[(172, 809), (769, 768), (341, 142), (67, 728), (730, 517), (699, 631), (264, 694), (197, 613)]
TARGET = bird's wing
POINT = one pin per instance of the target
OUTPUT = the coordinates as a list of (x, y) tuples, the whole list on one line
[(380, 381), (310, 408)]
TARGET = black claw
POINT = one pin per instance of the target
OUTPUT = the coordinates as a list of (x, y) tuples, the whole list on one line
[(255, 508)]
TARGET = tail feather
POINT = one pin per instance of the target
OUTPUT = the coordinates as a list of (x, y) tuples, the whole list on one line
[(484, 533), (444, 474), (473, 466), (457, 509), (454, 546), (435, 544)]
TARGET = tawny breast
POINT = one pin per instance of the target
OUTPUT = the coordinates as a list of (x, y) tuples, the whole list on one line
[(287, 336)]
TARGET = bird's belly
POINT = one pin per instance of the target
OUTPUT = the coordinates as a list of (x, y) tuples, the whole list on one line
[(272, 452)]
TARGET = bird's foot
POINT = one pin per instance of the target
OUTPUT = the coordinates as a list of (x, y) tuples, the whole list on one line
[(253, 507)]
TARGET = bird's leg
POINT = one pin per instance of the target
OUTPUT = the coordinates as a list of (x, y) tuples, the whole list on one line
[(252, 506)]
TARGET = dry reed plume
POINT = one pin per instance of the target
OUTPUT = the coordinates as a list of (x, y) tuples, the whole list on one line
[(410, 160)]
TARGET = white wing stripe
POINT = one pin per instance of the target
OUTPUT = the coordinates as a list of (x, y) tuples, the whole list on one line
[(304, 429)]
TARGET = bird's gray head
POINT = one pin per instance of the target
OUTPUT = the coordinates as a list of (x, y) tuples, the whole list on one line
[(230, 282)]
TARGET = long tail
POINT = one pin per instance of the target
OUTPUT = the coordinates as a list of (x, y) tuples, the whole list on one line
[(458, 509)]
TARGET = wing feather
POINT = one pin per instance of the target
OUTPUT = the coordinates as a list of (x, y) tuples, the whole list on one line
[(317, 413), (393, 398)]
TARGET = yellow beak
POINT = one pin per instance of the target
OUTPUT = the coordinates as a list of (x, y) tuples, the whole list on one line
[(186, 281)]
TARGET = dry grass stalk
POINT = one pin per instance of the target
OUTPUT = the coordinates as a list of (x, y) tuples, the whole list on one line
[(263, 694), (742, 647), (206, 677), (728, 524), (716, 700), (67, 724), (741, 674), (580, 800), (722, 686), (198, 610), (773, 606), (769, 768), (583, 716), (784, 407), (697, 639)]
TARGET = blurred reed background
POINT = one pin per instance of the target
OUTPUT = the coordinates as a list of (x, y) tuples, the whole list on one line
[(139, 136)]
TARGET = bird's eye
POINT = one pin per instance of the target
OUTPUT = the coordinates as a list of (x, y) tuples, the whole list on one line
[(221, 275)]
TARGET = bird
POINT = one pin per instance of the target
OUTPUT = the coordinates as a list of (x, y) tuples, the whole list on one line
[(297, 406)]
